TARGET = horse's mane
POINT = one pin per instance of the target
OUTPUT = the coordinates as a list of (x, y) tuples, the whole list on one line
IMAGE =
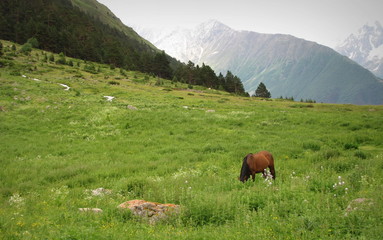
[(245, 170)]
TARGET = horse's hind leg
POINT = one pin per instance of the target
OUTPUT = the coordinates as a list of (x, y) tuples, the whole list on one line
[(272, 171)]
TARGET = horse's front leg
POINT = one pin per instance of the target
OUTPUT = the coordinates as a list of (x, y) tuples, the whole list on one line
[(253, 176)]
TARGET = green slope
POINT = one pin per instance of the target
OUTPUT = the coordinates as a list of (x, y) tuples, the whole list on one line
[(62, 26)]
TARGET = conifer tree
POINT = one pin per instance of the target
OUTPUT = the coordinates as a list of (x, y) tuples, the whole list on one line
[(262, 91)]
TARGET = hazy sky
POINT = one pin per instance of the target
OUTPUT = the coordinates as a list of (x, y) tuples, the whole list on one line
[(327, 22)]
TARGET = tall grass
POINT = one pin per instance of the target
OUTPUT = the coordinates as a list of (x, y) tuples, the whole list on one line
[(57, 145)]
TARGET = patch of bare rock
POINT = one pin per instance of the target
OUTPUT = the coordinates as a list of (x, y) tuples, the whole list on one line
[(150, 211)]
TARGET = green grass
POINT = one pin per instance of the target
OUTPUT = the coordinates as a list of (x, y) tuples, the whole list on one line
[(56, 145)]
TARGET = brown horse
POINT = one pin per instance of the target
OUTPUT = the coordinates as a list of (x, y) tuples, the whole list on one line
[(257, 163)]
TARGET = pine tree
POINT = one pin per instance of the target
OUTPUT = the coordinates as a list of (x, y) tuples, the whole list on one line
[(161, 66), (262, 91)]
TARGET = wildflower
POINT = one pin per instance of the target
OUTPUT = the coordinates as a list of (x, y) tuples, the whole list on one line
[(268, 177), (16, 200)]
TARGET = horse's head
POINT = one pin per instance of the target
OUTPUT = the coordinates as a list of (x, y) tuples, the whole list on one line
[(243, 178), (245, 171)]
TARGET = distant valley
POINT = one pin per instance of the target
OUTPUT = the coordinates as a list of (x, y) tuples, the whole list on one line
[(289, 66)]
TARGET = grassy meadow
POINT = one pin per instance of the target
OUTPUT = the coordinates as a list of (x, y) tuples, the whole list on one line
[(162, 142)]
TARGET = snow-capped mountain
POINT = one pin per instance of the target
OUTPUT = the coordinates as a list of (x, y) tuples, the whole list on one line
[(366, 47), (288, 66), (187, 44)]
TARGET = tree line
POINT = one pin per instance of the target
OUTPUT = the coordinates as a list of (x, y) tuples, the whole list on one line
[(195, 75)]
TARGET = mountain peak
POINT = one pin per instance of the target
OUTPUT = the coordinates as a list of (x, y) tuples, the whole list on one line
[(366, 47), (212, 24)]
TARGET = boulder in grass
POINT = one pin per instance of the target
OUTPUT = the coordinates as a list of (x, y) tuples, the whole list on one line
[(101, 192), (151, 211), (132, 107)]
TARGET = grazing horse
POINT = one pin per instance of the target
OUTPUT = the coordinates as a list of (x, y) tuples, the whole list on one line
[(257, 163)]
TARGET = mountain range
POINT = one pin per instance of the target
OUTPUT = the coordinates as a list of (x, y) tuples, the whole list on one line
[(288, 66), (365, 47)]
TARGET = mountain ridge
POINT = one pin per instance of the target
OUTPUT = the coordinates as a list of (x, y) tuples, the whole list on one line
[(289, 66)]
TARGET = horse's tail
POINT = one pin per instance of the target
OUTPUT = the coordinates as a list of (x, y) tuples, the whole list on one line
[(272, 170), (245, 170), (271, 165)]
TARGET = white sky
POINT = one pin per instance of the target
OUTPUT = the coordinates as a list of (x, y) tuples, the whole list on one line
[(327, 22)]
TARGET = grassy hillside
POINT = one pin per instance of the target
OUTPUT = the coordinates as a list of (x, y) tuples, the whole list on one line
[(57, 145), (83, 29)]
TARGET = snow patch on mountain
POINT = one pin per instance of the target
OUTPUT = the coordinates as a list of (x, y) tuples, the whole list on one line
[(365, 47), (188, 44)]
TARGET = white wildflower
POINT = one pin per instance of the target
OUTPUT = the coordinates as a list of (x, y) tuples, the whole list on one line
[(16, 200)]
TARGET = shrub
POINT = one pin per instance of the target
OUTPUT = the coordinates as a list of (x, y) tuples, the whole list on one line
[(360, 154), (51, 58), (61, 59), (33, 41), (312, 146), (26, 48), (348, 146), (90, 68), (341, 165), (114, 83)]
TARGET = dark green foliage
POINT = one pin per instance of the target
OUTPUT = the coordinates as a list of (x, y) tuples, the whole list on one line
[(348, 146), (114, 83), (90, 68), (51, 58), (161, 66), (360, 154), (205, 76), (312, 146), (233, 84), (61, 27), (1, 49), (262, 91), (61, 59), (34, 42)]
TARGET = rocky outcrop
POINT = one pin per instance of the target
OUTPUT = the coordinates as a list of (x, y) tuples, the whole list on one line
[(151, 211)]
